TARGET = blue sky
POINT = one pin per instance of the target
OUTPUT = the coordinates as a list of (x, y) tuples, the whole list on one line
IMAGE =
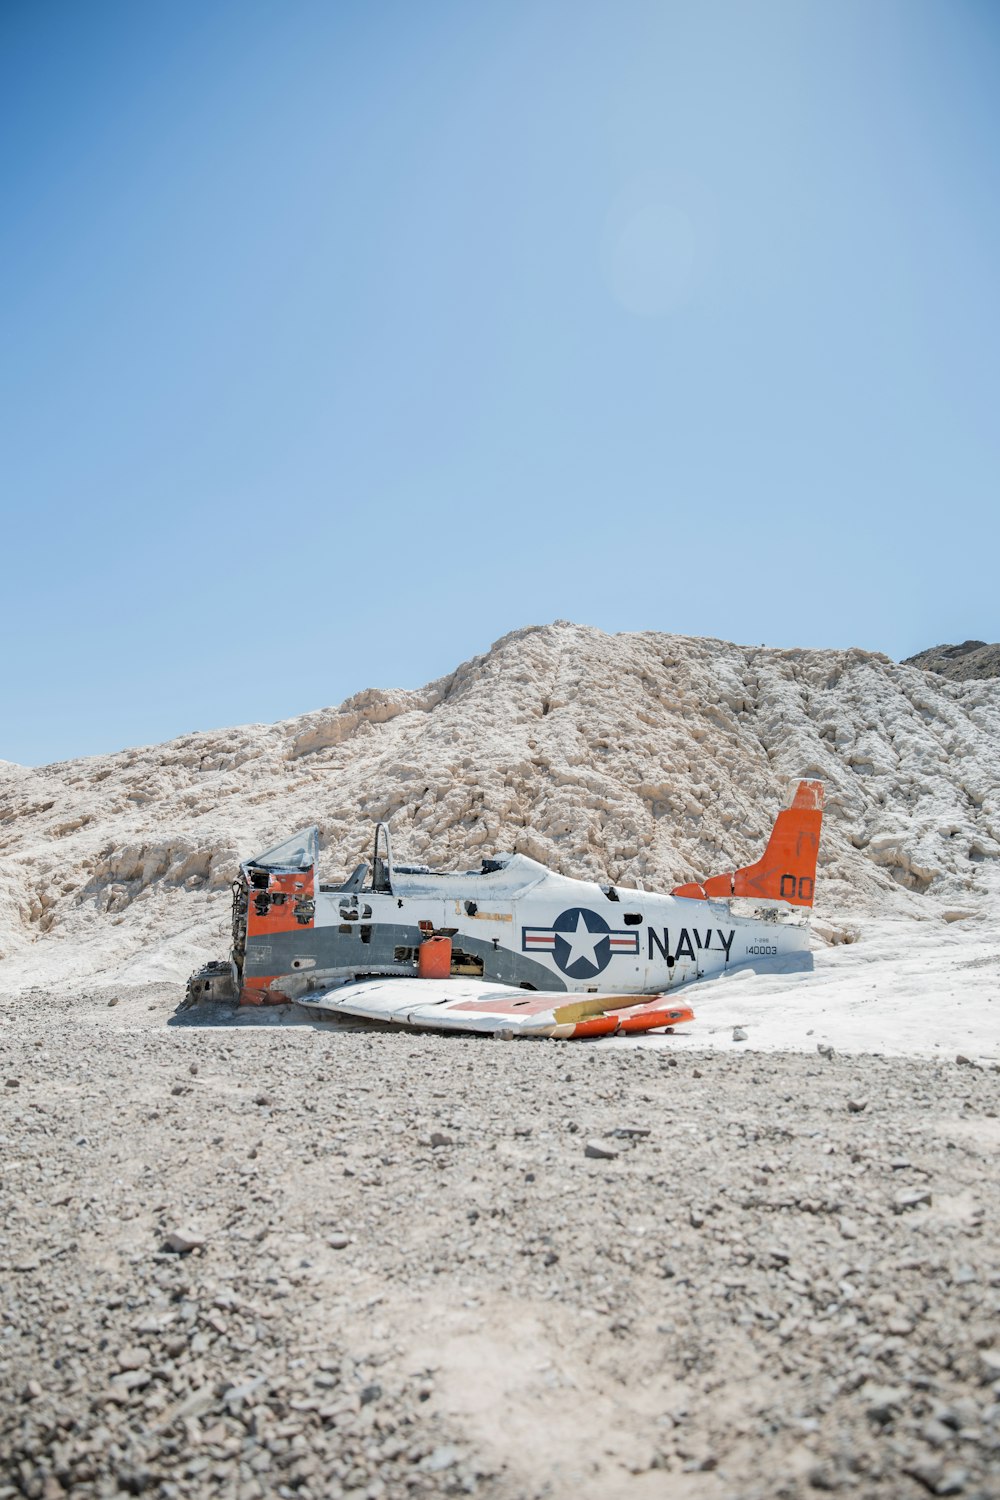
[(339, 339)]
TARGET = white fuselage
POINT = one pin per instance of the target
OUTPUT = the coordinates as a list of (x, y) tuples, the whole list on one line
[(585, 937)]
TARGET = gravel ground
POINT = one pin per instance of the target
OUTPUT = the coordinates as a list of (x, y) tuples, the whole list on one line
[(432, 1265)]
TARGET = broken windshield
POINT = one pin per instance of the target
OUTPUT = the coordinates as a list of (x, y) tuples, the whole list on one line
[(299, 852)]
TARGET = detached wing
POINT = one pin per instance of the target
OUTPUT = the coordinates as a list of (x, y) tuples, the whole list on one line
[(474, 1005)]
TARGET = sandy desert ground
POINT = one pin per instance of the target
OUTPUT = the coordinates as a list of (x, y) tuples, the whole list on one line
[(441, 1265)]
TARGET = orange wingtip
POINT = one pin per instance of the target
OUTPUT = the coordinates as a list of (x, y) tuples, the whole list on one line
[(652, 1020)]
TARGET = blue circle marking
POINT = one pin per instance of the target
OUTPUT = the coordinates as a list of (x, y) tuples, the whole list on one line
[(582, 943)]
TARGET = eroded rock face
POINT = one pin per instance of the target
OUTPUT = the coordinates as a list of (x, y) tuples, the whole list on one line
[(972, 659), (634, 756)]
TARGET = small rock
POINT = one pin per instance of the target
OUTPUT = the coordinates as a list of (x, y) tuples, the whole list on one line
[(882, 1402), (263, 1100), (963, 1062), (440, 1138), (989, 1360), (13, 1083), (114, 1001), (237, 1394), (32, 1391), (910, 1198), (824, 1050), (856, 1106), (600, 1150), (935, 1433), (926, 1471), (370, 1393), (183, 1241), (442, 1458), (739, 1034), (193, 1069), (847, 1227), (696, 1219), (952, 1481), (338, 1241), (133, 1358)]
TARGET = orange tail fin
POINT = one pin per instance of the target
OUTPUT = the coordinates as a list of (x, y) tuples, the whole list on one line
[(786, 871)]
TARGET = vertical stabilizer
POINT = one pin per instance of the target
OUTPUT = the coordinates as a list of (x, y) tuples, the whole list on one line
[(786, 871)]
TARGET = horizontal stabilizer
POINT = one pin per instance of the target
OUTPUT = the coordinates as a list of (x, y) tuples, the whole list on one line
[(786, 871)]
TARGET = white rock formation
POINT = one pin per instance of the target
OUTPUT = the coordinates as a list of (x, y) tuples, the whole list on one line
[(637, 756)]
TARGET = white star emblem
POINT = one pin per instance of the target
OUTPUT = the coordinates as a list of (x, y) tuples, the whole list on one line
[(582, 943)]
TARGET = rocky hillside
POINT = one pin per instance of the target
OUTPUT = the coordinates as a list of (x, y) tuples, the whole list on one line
[(640, 756), (970, 660)]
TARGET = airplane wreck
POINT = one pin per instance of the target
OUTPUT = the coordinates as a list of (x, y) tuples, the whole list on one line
[(511, 948)]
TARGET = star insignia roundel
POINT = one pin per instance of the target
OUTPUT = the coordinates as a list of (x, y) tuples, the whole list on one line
[(580, 941)]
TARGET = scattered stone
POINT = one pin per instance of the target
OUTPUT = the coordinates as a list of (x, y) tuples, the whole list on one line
[(338, 1241), (857, 1106), (926, 1471), (193, 1405), (133, 1358), (441, 1459), (825, 1050), (601, 1150), (440, 1138), (113, 1001), (739, 1034), (847, 1227), (183, 1241), (12, 1083), (989, 1362), (264, 1100), (964, 1062), (910, 1198), (237, 1394), (883, 1402)]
